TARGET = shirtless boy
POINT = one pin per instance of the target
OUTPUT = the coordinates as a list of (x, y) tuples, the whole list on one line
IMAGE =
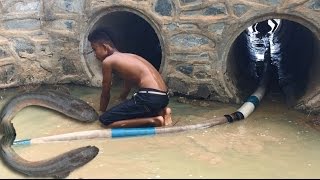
[(148, 106)]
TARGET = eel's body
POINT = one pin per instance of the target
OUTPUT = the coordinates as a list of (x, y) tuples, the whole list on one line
[(58, 166)]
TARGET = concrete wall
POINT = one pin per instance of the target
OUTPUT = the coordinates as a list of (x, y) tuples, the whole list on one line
[(44, 41)]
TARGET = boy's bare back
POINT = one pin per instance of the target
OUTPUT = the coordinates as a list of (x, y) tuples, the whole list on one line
[(134, 69)]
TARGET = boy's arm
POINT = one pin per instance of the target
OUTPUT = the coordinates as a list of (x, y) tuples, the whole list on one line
[(106, 85)]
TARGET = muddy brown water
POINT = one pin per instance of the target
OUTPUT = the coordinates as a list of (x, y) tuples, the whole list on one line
[(273, 142)]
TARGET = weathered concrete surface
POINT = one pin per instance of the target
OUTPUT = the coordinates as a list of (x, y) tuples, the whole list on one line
[(44, 41)]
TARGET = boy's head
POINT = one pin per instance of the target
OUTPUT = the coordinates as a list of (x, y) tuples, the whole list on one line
[(101, 43), (100, 36)]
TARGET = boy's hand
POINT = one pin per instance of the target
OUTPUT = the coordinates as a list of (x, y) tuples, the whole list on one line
[(100, 113), (118, 100)]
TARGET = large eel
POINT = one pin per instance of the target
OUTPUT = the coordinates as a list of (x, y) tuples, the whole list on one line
[(59, 166)]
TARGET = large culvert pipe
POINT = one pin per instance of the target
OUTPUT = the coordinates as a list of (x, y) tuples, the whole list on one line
[(131, 32), (300, 52)]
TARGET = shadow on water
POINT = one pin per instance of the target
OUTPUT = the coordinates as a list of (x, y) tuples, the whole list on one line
[(273, 142)]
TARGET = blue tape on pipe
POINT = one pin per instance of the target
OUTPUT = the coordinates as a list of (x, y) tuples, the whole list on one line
[(22, 142), (254, 100), (125, 132)]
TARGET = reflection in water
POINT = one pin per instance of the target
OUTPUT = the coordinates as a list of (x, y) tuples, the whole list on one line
[(271, 143)]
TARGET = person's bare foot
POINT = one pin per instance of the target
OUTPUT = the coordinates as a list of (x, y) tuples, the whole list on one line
[(166, 114)]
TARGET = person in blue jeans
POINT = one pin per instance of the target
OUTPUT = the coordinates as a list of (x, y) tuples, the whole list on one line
[(148, 106)]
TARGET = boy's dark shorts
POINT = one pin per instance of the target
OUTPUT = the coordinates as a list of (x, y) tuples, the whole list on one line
[(141, 105)]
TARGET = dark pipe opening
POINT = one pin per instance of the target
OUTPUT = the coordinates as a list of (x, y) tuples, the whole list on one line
[(300, 52), (132, 34)]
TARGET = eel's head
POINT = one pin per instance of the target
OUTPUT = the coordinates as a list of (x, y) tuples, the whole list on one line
[(84, 111), (77, 158)]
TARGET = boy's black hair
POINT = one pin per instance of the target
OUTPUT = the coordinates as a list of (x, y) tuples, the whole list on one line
[(100, 36)]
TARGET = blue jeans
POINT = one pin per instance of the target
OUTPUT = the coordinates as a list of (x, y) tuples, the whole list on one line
[(139, 106)]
